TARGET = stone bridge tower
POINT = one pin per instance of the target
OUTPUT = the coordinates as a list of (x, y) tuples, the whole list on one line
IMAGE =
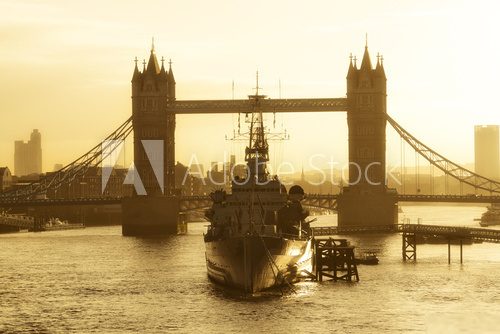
[(154, 128), (152, 209), (367, 200)]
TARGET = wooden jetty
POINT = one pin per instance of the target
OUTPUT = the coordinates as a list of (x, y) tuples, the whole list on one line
[(412, 232), (334, 258)]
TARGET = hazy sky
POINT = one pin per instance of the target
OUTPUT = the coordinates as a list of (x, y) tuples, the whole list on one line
[(66, 68)]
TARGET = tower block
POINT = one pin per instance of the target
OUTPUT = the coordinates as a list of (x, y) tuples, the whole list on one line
[(153, 209), (366, 200)]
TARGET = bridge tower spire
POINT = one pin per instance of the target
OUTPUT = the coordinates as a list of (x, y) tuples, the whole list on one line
[(367, 200)]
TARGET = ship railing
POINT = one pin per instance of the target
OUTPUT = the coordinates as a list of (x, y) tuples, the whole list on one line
[(334, 230), (295, 236)]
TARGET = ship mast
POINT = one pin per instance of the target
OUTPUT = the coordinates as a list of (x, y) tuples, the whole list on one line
[(257, 151)]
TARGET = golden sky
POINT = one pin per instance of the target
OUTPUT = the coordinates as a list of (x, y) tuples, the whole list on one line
[(66, 68)]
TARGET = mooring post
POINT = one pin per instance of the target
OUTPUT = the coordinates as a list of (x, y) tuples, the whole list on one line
[(403, 248), (181, 223), (449, 257), (414, 247), (313, 258), (461, 244), (409, 246)]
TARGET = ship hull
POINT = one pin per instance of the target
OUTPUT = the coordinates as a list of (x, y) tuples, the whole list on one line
[(489, 223), (255, 263)]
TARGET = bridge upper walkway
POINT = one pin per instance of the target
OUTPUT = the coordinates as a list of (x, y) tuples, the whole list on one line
[(248, 105)]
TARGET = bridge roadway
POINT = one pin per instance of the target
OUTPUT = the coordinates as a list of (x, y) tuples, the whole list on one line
[(13, 203), (448, 232), (188, 203)]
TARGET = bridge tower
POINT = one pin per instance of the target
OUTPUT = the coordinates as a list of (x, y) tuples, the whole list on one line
[(153, 209), (367, 200)]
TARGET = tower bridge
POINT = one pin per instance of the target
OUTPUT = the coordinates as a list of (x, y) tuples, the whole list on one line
[(154, 108), (155, 205)]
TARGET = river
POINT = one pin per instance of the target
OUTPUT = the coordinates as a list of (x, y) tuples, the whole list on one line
[(95, 280)]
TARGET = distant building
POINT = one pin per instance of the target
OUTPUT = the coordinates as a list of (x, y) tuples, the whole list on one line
[(89, 185), (487, 150), (59, 167), (28, 156), (187, 184), (214, 166), (232, 162), (197, 170), (5, 178)]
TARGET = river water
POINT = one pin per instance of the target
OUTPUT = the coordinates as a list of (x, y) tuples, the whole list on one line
[(96, 281)]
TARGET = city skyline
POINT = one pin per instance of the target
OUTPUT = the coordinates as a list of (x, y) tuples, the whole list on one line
[(81, 88)]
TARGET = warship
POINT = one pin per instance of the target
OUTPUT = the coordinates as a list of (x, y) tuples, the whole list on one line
[(258, 237)]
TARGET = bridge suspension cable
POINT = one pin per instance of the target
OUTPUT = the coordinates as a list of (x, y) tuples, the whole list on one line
[(450, 168), (75, 169)]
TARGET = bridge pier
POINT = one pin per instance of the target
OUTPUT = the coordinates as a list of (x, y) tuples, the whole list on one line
[(150, 216), (366, 208)]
